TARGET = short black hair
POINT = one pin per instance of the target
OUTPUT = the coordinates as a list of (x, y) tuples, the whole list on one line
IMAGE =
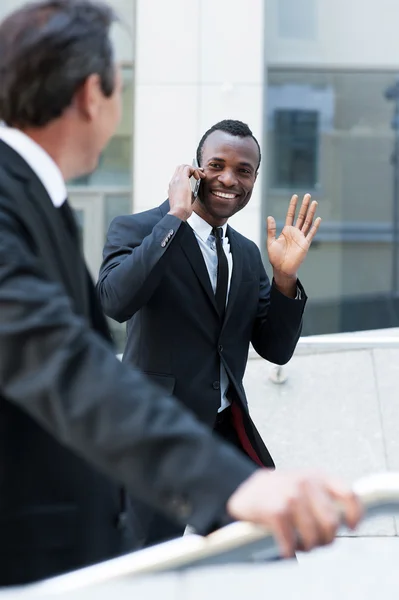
[(232, 127), (47, 51)]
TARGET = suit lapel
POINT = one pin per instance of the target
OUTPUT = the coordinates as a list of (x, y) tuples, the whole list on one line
[(65, 249), (60, 251), (193, 252), (236, 277), (66, 252), (58, 245)]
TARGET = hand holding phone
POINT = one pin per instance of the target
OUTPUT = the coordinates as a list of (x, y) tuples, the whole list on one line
[(183, 190)]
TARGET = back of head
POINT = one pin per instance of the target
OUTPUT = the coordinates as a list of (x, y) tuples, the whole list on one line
[(47, 51)]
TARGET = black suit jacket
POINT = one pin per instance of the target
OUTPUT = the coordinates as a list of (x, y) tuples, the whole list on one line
[(74, 421), (154, 276)]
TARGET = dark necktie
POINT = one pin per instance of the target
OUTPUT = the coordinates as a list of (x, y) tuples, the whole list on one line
[(222, 273)]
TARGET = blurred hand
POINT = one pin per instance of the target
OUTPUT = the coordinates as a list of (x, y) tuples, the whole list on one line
[(302, 510), (180, 192)]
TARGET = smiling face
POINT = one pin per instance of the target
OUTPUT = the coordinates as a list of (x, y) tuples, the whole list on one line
[(231, 165)]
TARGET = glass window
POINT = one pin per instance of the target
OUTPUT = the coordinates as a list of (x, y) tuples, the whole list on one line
[(332, 133), (295, 143), (114, 206)]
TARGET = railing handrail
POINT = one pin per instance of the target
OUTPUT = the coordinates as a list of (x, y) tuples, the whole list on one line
[(349, 340), (379, 495), (334, 343)]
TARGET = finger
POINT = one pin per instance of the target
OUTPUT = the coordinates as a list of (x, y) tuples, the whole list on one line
[(313, 230), (188, 170), (271, 230), (305, 523), (284, 534), (289, 220), (309, 218), (199, 174), (303, 211), (349, 504), (325, 512)]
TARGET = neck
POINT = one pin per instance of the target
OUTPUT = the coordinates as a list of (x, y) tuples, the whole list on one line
[(201, 211), (57, 141)]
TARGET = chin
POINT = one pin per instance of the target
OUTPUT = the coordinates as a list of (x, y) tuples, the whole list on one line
[(222, 214), (92, 166)]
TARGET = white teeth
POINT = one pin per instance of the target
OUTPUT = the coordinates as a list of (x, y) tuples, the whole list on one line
[(223, 195)]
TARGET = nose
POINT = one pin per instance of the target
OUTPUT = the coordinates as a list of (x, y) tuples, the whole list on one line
[(227, 178)]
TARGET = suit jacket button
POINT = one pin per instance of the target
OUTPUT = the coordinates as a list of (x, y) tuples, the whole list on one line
[(216, 385), (121, 521), (181, 507)]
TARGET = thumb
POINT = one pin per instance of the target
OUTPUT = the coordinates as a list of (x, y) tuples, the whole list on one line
[(271, 230)]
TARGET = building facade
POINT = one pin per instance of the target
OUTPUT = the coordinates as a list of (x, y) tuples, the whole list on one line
[(318, 83)]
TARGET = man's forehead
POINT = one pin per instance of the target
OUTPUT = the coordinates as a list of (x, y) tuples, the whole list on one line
[(235, 146)]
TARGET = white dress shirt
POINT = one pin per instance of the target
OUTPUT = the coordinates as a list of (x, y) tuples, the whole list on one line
[(39, 161), (207, 244)]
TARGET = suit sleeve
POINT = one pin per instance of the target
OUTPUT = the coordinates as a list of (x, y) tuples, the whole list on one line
[(278, 322), (62, 374), (133, 264)]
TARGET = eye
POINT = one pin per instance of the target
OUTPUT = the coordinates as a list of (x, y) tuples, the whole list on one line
[(245, 171), (215, 165)]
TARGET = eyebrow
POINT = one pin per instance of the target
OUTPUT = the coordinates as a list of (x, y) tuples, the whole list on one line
[(242, 164)]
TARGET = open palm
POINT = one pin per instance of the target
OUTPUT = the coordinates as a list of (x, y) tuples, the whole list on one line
[(289, 250)]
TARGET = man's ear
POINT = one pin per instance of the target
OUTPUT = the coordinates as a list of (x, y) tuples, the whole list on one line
[(88, 97)]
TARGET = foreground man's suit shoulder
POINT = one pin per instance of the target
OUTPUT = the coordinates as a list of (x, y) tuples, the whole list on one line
[(66, 403)]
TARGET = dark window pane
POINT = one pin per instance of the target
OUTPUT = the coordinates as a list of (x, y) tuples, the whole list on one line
[(295, 154)]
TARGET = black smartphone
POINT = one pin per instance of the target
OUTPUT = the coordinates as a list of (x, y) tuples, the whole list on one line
[(195, 183)]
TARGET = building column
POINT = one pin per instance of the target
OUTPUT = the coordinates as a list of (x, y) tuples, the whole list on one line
[(197, 62)]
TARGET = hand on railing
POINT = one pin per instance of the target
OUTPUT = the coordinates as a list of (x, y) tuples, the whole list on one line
[(309, 507)]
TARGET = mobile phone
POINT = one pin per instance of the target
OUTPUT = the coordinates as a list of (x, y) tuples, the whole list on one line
[(195, 183)]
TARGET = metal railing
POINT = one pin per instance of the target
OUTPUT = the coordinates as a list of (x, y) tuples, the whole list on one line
[(327, 344), (379, 495), (334, 343)]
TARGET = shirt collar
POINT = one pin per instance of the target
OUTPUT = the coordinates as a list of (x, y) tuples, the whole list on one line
[(201, 227), (39, 161)]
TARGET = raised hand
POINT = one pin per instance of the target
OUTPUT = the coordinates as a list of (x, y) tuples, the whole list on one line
[(288, 251)]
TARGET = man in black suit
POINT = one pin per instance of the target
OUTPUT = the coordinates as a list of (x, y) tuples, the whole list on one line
[(195, 294), (78, 428)]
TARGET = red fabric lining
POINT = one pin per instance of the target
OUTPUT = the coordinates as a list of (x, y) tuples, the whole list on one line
[(238, 423)]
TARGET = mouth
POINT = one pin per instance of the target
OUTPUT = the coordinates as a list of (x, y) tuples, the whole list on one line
[(224, 195)]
